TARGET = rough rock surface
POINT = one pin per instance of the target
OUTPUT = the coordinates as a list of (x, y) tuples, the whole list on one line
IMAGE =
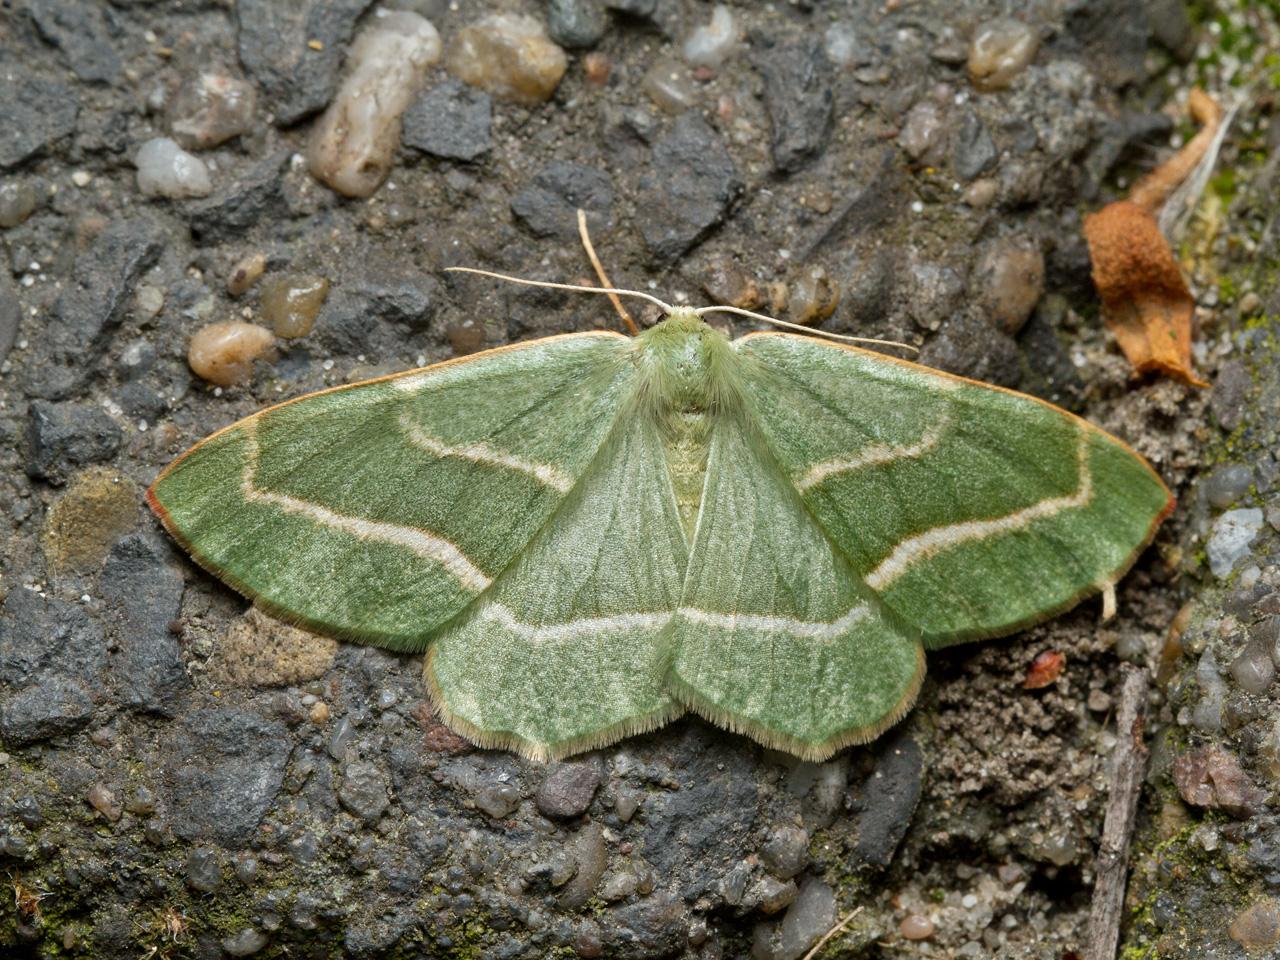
[(182, 777)]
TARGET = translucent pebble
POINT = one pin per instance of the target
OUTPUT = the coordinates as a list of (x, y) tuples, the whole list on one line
[(1227, 484), (166, 170), (353, 145), (511, 56), (210, 108), (1257, 928), (668, 85), (18, 200), (921, 131), (290, 304), (840, 43), (1207, 715), (916, 926), (1253, 669), (711, 44), (1000, 50), (223, 353), (1011, 279), (814, 296), (246, 273), (104, 801)]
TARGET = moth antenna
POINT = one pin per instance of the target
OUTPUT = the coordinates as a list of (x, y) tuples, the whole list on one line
[(572, 287), (803, 329), (604, 277)]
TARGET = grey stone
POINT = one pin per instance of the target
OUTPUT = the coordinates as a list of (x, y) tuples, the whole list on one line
[(931, 292), (1230, 538), (576, 24), (690, 183), (587, 851), (82, 31), (226, 768), (91, 306), (549, 205), (49, 708), (811, 915), (64, 436), (968, 346), (252, 198), (34, 114), (972, 150), (653, 927), (245, 943), (204, 869), (451, 120), (143, 592), (1230, 391), (364, 790), (888, 798), (1227, 483), (798, 96), (10, 314), (296, 78), (44, 636), (786, 852), (568, 789), (498, 800)]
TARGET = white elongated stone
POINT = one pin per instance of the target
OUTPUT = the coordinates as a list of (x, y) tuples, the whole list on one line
[(710, 44), (166, 170), (352, 146)]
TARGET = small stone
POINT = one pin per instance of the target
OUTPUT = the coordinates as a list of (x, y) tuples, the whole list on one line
[(166, 170), (498, 800), (465, 336), (1257, 927), (1230, 538), (933, 292), (915, 926), (246, 943), (799, 99), (255, 196), (619, 886), (210, 107), (711, 44), (596, 67), (1253, 669), (1227, 483), (999, 51), (260, 651), (52, 707), (364, 790), (626, 802), (980, 194), (1207, 714), (668, 85), (204, 869), (291, 303), (813, 297), (812, 915), (352, 147), (770, 895), (1099, 701), (588, 852), (511, 56), (568, 789), (35, 114), (843, 46), (576, 24), (1044, 670), (728, 284), (888, 798), (1230, 392), (1250, 304), (148, 302), (922, 134), (973, 152), (64, 436), (18, 200), (319, 713), (223, 353), (142, 803), (1211, 777), (451, 120), (104, 801), (549, 205), (1009, 281), (786, 852), (246, 273)]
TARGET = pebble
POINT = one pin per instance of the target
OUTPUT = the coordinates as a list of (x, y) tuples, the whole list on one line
[(596, 67), (511, 56), (922, 132), (1211, 777), (843, 47), (669, 86), (364, 790), (712, 43), (916, 926), (786, 852), (576, 24), (1207, 715), (290, 304), (999, 51), (1230, 538), (246, 273), (498, 800), (973, 152), (246, 943), (104, 801), (352, 147), (1253, 669), (568, 789), (770, 895), (813, 297), (465, 336), (1257, 927), (223, 353), (64, 436), (211, 107), (1010, 281), (148, 302), (1249, 305), (166, 170), (204, 869), (1227, 483), (451, 120), (812, 915), (981, 193), (18, 200)]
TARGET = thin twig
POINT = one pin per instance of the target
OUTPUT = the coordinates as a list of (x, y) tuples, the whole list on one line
[(813, 952), (604, 277), (1127, 767)]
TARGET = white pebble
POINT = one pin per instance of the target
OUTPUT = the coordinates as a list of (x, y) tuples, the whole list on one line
[(81, 178), (1229, 540), (166, 170), (711, 44), (352, 147)]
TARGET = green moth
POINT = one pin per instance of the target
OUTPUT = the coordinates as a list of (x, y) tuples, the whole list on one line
[(590, 534)]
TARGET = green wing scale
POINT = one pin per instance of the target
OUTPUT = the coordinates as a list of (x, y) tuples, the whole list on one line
[(589, 534)]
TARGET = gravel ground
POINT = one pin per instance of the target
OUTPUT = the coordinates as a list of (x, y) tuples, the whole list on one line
[(180, 776)]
